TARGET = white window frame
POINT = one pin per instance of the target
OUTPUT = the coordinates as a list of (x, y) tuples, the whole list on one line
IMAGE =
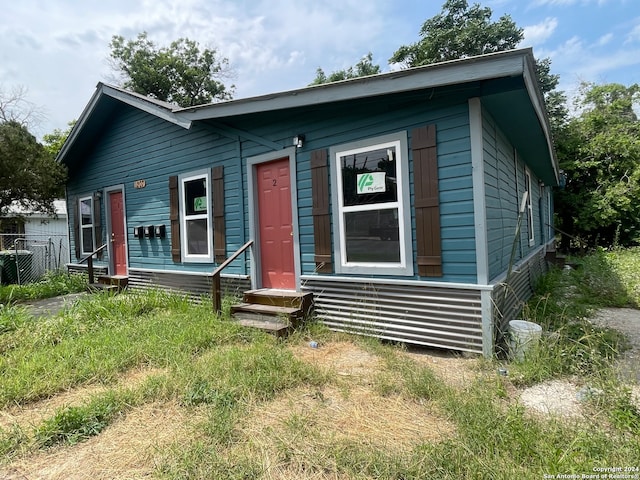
[(402, 204), (182, 179), (89, 226), (530, 222)]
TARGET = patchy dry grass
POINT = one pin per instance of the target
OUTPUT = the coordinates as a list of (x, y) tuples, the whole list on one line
[(127, 449), (181, 393)]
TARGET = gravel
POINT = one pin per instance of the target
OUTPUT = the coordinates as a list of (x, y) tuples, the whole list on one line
[(562, 398), (627, 321)]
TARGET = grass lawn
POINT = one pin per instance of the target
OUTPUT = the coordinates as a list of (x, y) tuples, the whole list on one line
[(143, 385)]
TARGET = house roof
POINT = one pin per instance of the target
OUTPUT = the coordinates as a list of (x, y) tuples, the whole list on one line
[(505, 82), (60, 207)]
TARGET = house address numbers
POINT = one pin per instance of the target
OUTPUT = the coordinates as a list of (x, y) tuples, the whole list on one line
[(139, 184)]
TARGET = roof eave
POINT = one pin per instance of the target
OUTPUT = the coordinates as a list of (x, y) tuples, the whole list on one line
[(156, 108), (537, 101), (465, 70)]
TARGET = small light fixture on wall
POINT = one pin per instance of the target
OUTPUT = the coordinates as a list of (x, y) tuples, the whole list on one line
[(298, 140)]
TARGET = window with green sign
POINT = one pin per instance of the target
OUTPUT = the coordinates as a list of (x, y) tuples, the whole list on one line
[(371, 204), (196, 226)]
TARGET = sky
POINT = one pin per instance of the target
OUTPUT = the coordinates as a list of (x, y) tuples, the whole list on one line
[(58, 50)]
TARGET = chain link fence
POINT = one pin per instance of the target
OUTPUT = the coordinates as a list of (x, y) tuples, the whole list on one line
[(26, 258)]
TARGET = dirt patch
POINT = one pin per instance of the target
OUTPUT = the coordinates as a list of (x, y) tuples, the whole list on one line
[(344, 358), (127, 449), (349, 360), (301, 424), (356, 414), (454, 369), (30, 415), (556, 398)]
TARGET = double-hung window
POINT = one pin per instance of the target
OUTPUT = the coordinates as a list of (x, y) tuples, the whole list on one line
[(371, 205), (85, 217), (196, 228)]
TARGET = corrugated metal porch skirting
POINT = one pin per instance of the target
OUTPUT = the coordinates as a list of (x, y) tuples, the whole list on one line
[(416, 314), (194, 285)]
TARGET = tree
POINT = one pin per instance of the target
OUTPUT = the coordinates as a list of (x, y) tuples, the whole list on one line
[(363, 68), (459, 31), (54, 141), (600, 153), (30, 178), (555, 100), (180, 74), (14, 107), (29, 175)]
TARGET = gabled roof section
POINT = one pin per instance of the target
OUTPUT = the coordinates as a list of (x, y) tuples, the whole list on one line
[(103, 102), (504, 81)]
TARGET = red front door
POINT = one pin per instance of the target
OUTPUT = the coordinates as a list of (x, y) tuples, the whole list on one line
[(276, 229), (118, 243)]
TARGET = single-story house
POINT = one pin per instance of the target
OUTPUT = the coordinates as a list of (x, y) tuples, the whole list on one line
[(415, 205), (43, 234)]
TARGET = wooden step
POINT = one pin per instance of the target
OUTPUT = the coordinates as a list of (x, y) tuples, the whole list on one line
[(118, 281), (266, 323), (102, 287), (554, 257), (275, 311), (281, 298)]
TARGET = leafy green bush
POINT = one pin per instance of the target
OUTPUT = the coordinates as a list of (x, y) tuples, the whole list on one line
[(53, 284)]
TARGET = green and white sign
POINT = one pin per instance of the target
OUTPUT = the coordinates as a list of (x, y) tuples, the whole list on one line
[(200, 204), (373, 182)]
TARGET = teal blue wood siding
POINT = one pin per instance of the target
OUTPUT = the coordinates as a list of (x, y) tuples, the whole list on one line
[(139, 146), (504, 175), (454, 170)]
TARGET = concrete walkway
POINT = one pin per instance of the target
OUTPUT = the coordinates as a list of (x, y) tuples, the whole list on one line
[(50, 306)]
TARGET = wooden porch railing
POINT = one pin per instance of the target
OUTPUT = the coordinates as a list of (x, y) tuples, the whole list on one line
[(216, 290), (89, 260)]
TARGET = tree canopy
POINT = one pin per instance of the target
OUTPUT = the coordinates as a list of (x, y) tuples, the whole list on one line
[(54, 141), (459, 31), (600, 154), (30, 176), (363, 68), (180, 73)]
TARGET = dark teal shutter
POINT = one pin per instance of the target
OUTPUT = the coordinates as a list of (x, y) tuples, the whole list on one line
[(427, 206), (320, 211)]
